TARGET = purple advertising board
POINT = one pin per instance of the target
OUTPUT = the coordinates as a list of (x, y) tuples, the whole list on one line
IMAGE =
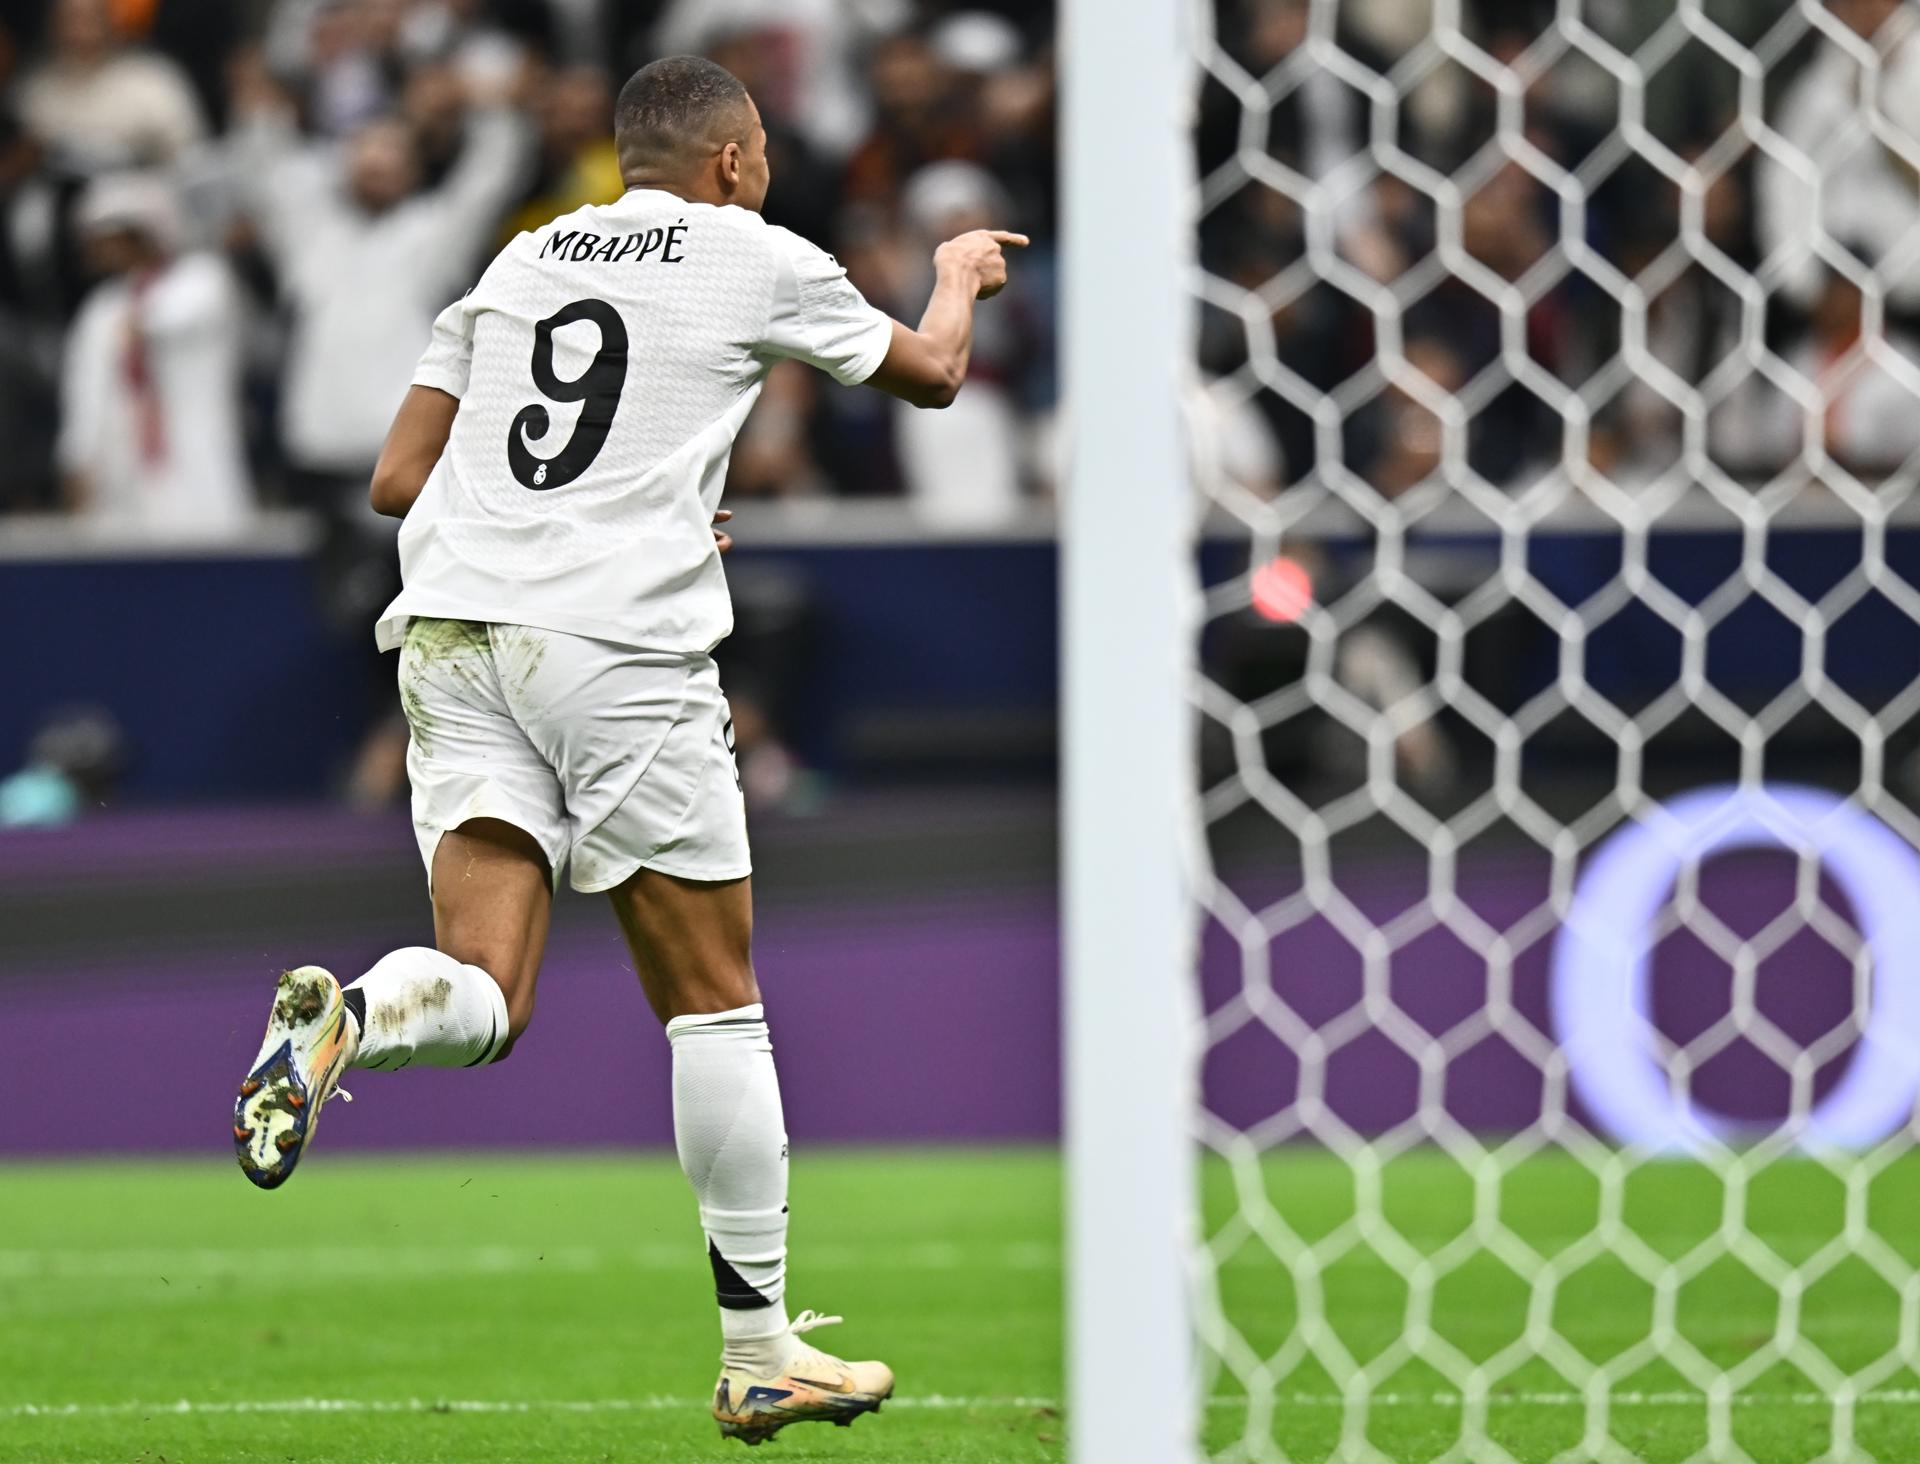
[(923, 1020)]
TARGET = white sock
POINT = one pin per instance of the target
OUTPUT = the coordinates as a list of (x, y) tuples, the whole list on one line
[(732, 1139), (420, 1005)]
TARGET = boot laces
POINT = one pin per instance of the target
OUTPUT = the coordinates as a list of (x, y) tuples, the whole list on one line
[(808, 1320)]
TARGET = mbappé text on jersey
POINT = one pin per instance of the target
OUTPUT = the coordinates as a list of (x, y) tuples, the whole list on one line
[(662, 245)]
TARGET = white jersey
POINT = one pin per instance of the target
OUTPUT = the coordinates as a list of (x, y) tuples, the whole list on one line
[(604, 365)]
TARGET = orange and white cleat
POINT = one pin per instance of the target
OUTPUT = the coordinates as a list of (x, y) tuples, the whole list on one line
[(309, 1043), (815, 1387)]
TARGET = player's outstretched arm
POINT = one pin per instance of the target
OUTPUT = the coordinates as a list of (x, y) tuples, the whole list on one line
[(927, 366), (414, 444)]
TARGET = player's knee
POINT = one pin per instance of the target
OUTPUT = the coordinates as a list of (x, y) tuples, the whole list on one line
[(516, 989)]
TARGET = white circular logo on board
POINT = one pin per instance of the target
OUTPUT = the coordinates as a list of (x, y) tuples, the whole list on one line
[(1601, 981)]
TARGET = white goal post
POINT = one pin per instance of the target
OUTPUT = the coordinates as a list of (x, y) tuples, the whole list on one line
[(1128, 589)]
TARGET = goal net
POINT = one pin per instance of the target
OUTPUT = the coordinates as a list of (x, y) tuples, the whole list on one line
[(1557, 423)]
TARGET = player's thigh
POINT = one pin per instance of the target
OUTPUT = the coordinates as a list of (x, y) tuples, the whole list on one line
[(692, 941), (492, 900), (487, 809), (468, 757), (642, 747)]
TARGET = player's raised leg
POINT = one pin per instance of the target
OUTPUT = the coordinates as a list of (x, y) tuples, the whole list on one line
[(691, 944), (492, 900), (461, 1004)]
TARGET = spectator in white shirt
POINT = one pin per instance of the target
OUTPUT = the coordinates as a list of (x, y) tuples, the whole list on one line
[(150, 419), (962, 465), (1871, 424), (1848, 183), (100, 105), (366, 258)]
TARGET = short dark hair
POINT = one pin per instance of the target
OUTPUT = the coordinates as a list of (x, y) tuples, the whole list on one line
[(669, 109)]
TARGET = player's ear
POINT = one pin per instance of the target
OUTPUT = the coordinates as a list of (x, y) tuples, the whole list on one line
[(730, 156)]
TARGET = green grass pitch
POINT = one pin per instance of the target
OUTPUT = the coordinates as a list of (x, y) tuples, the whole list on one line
[(502, 1307)]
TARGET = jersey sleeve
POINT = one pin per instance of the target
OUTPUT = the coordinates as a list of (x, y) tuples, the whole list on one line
[(819, 317), (449, 355)]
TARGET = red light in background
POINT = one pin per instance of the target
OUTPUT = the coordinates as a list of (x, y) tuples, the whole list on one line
[(1282, 590)]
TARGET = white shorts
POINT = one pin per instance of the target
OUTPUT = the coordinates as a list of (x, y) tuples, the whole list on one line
[(613, 758)]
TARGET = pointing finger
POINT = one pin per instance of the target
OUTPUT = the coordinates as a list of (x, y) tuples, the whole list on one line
[(1002, 236)]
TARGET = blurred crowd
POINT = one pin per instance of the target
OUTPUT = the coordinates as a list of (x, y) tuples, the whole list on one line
[(1812, 219), (227, 225)]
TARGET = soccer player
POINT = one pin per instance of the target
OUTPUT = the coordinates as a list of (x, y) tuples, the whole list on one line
[(559, 461)]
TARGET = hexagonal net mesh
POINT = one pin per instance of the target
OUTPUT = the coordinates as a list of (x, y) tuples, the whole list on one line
[(1558, 422)]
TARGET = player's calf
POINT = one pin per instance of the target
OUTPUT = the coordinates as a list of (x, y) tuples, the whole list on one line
[(421, 1006), (731, 1136)]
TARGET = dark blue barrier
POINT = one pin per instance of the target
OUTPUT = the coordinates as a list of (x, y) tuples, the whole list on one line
[(1872, 650), (955, 632), (221, 671), (229, 683), (1754, 652)]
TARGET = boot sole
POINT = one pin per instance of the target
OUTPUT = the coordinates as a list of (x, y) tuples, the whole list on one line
[(273, 1113), (841, 1412)]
